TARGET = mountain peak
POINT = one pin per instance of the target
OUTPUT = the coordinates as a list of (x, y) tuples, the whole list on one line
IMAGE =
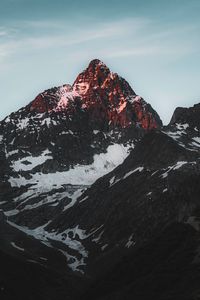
[(190, 116), (92, 77), (107, 97), (97, 62)]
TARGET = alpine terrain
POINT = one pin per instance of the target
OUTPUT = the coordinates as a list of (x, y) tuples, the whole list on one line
[(99, 200)]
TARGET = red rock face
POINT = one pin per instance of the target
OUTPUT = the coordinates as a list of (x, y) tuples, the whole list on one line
[(109, 96), (39, 104), (106, 96), (56, 99), (44, 102), (98, 86), (145, 115)]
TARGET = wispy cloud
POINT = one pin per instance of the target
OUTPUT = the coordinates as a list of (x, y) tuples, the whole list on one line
[(23, 40), (3, 33), (122, 38)]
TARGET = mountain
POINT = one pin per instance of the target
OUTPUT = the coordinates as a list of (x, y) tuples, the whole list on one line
[(65, 139), (96, 190)]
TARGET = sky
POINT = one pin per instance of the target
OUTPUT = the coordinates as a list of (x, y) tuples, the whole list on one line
[(153, 44)]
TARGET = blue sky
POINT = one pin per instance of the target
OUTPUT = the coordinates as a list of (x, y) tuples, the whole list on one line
[(153, 44)]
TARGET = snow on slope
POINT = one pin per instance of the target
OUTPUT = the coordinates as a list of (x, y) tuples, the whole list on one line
[(79, 174), (17, 247), (178, 165), (30, 162), (67, 238)]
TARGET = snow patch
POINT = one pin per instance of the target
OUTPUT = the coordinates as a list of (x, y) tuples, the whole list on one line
[(32, 161), (8, 154), (177, 166), (74, 196), (43, 258), (121, 107), (96, 131), (130, 242), (10, 213), (53, 200), (7, 120), (104, 247), (182, 126), (2, 202), (79, 174), (68, 238), (149, 194), (112, 180), (140, 169), (23, 123), (84, 199), (47, 121), (133, 99), (195, 144), (97, 239), (197, 139), (65, 95), (17, 247)]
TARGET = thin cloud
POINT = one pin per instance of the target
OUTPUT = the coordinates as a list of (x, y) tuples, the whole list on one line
[(63, 37), (3, 33), (146, 50), (122, 38)]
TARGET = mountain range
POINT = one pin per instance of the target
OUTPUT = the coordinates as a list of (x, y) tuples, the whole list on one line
[(99, 200)]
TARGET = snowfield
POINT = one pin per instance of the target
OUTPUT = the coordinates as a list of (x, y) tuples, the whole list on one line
[(78, 175)]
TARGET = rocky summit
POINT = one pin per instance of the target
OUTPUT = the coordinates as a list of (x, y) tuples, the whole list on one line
[(98, 199), (107, 97)]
